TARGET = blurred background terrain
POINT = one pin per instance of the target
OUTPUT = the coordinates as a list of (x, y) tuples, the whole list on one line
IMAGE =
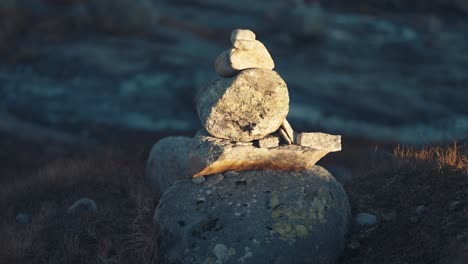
[(87, 86), (386, 70)]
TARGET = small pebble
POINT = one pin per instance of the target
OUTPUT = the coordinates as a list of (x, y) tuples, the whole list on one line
[(83, 205), (354, 244), (454, 205), (390, 216), (220, 251), (23, 218), (366, 219), (198, 180), (420, 209), (231, 174), (212, 180)]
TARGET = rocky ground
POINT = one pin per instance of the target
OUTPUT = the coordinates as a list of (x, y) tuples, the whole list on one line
[(84, 93), (383, 75), (418, 210)]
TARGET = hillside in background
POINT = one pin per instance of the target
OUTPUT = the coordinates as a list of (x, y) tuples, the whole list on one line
[(88, 86)]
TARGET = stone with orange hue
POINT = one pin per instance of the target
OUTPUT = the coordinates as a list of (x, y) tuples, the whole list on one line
[(209, 155)]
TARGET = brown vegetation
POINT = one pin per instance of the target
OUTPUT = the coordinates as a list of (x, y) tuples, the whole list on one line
[(445, 156), (45, 178), (121, 231), (421, 200)]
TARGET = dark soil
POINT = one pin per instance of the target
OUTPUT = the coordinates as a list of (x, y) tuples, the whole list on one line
[(436, 234), (44, 178)]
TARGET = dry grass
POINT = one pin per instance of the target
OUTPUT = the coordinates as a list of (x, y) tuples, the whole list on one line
[(445, 156), (434, 177), (121, 231)]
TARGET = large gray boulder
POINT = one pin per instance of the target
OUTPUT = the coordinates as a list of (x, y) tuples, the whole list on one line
[(244, 108), (254, 217), (168, 162)]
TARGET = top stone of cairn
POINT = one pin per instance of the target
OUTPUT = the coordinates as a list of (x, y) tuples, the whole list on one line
[(242, 34), (246, 53)]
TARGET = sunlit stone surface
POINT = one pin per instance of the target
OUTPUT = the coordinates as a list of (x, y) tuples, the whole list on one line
[(247, 107), (210, 155), (254, 217)]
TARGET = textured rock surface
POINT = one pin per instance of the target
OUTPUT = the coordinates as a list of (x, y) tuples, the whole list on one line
[(242, 34), (247, 107), (245, 55), (270, 141), (319, 140), (254, 217), (244, 44), (223, 67), (210, 155), (168, 162)]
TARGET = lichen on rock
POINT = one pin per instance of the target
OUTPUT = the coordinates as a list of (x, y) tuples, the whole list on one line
[(258, 216)]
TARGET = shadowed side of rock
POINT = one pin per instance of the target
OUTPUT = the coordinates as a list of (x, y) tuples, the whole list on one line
[(254, 217), (168, 162)]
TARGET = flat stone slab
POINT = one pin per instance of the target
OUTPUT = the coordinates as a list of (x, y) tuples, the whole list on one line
[(319, 140), (244, 108), (210, 155), (254, 217)]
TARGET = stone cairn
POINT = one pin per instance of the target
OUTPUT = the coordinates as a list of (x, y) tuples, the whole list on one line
[(255, 194), (244, 117)]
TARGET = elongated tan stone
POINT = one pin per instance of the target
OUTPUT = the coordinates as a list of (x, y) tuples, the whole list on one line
[(321, 141), (288, 130), (284, 136), (247, 107), (210, 155)]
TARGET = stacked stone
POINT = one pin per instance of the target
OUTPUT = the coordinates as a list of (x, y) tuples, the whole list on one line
[(262, 200), (244, 117)]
